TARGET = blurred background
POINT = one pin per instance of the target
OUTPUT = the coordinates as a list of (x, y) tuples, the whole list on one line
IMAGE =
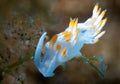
[(21, 25)]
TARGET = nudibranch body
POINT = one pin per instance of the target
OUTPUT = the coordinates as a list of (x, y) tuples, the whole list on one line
[(67, 45)]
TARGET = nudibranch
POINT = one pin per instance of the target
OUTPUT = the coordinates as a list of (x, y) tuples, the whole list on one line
[(67, 44)]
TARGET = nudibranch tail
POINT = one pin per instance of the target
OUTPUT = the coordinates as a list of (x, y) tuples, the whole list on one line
[(37, 59)]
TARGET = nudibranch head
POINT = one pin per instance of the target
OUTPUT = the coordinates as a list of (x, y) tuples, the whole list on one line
[(66, 45)]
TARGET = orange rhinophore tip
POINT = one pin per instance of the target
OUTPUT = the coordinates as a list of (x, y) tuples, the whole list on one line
[(71, 24), (76, 22)]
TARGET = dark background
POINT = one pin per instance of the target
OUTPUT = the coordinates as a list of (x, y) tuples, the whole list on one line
[(21, 24)]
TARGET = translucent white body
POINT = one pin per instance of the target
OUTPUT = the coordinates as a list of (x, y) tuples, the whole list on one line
[(67, 45)]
